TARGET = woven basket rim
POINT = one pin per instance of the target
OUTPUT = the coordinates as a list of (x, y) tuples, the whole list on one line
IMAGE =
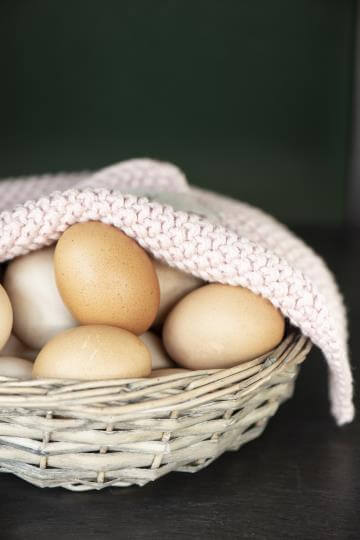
[(86, 435), (48, 393)]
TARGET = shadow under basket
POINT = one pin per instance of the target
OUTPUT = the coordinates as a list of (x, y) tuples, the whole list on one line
[(84, 435)]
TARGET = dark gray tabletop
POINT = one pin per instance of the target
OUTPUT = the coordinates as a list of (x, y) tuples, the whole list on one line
[(299, 480)]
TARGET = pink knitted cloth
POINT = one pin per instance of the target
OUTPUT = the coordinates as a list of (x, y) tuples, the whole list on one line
[(205, 234)]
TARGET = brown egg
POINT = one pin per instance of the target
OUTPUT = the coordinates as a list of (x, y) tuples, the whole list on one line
[(6, 317), (11, 366), (159, 357), (93, 353), (219, 326), (167, 371), (105, 277), (174, 285)]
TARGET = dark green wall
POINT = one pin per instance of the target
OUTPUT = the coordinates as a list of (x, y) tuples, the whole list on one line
[(251, 98)]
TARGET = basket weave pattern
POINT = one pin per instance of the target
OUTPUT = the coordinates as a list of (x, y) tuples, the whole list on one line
[(89, 435)]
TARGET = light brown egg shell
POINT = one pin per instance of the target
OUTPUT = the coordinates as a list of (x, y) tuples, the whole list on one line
[(93, 353), (219, 326), (105, 277), (6, 317)]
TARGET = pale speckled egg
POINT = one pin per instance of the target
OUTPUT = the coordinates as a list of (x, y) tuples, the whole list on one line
[(6, 317), (93, 353), (39, 311), (159, 357), (105, 277), (167, 371), (219, 326), (174, 285), (11, 366), (14, 347)]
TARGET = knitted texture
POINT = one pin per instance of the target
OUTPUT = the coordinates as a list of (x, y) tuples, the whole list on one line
[(202, 233)]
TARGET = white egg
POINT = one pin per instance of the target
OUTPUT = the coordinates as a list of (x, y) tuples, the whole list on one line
[(14, 347), (39, 311), (174, 285), (11, 366), (159, 357)]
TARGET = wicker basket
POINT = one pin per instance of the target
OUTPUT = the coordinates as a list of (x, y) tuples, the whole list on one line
[(90, 435)]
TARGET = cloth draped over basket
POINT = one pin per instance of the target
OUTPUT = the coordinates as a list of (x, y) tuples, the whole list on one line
[(210, 236)]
